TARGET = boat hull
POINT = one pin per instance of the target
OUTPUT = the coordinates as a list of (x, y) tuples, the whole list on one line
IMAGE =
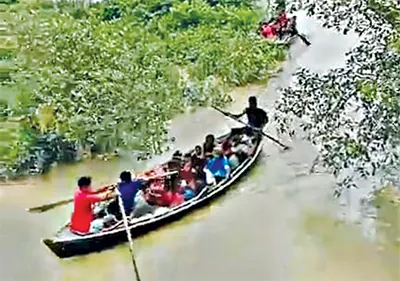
[(81, 245)]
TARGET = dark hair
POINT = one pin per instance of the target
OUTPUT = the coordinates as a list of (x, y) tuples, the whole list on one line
[(125, 176), (187, 155), (177, 153), (252, 99), (210, 137), (84, 182), (198, 148)]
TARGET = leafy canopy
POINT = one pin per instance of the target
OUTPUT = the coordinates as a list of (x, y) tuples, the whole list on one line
[(352, 113)]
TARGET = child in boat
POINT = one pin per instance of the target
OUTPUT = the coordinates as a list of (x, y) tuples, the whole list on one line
[(188, 175), (83, 217), (217, 168), (199, 162), (208, 146), (228, 149)]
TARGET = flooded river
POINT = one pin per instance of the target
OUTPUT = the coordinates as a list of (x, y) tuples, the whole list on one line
[(277, 224)]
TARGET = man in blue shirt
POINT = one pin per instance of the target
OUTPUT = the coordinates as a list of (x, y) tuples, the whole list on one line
[(128, 189)]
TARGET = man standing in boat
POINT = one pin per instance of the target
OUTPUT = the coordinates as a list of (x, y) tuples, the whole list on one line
[(257, 118), (83, 219)]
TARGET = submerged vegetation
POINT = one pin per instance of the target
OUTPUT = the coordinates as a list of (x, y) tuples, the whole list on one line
[(110, 75)]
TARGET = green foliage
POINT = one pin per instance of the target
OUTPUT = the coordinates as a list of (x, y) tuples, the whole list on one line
[(3, 108), (111, 75), (352, 113)]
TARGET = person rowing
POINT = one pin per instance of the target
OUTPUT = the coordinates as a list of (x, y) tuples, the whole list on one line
[(127, 188), (257, 118), (281, 25), (83, 218), (292, 29)]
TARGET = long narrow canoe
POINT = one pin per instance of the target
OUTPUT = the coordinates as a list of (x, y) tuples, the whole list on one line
[(66, 244)]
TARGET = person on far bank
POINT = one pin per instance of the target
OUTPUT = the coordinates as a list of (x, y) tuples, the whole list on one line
[(83, 217), (257, 118)]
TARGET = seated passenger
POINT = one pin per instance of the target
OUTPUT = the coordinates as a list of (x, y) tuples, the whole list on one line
[(142, 207), (217, 168), (198, 151), (228, 148), (164, 197), (208, 146), (175, 163), (188, 176), (245, 147), (83, 217), (198, 160)]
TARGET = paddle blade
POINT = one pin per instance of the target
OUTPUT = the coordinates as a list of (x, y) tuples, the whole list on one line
[(47, 207), (286, 148)]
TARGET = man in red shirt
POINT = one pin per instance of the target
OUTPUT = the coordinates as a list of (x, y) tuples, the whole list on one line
[(82, 219)]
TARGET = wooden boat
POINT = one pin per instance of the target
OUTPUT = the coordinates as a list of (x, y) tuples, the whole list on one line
[(66, 244)]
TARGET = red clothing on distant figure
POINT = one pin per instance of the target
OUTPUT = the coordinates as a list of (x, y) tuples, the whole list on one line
[(83, 210), (269, 31), (283, 20), (188, 175), (164, 198), (227, 148)]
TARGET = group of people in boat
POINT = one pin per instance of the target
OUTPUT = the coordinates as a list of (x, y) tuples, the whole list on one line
[(170, 184), (279, 26)]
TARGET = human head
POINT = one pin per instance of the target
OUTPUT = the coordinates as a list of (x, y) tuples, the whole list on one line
[(125, 176), (217, 152), (187, 157), (252, 102), (198, 150), (177, 155), (84, 182), (210, 138)]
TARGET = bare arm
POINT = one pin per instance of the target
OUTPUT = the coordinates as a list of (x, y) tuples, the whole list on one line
[(98, 197), (238, 115)]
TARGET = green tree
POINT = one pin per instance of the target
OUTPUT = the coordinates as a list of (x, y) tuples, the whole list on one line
[(352, 113), (111, 75)]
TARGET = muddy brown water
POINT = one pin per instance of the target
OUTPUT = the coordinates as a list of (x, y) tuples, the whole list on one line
[(278, 223)]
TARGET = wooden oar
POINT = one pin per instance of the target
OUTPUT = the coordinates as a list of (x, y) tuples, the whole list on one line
[(49, 206), (45, 207), (285, 147), (128, 234)]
